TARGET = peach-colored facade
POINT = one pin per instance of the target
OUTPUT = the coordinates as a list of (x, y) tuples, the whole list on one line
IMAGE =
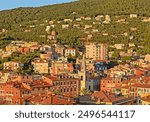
[(96, 51)]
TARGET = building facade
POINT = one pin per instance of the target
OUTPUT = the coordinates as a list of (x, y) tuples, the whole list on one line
[(96, 51)]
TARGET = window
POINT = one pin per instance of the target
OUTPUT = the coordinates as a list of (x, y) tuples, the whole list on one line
[(89, 87), (16, 92)]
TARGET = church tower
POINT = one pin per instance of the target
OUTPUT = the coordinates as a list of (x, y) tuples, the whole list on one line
[(82, 75)]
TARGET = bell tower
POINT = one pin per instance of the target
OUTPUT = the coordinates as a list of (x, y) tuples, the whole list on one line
[(82, 74)]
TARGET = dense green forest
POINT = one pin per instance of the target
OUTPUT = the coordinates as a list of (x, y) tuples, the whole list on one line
[(18, 20)]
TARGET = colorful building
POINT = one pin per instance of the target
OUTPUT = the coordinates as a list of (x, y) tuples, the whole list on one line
[(12, 65), (12, 92), (69, 52), (41, 66), (61, 67), (96, 51), (106, 84), (64, 85)]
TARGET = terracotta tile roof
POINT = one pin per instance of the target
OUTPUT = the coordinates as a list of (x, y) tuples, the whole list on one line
[(135, 77), (34, 46), (147, 98), (108, 78), (141, 85), (125, 87), (107, 97), (40, 83), (70, 49), (48, 99), (21, 86), (117, 87)]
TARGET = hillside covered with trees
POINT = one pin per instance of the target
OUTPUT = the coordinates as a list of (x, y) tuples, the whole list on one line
[(29, 23)]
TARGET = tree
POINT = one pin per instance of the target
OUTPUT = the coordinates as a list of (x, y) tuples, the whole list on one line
[(115, 55), (85, 91), (126, 58), (1, 66)]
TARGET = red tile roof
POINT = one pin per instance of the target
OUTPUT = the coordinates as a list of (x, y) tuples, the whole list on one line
[(147, 98), (48, 99), (141, 85), (40, 84), (107, 97)]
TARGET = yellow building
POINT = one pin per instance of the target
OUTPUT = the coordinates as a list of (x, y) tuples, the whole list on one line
[(41, 67), (12, 65), (29, 44), (4, 76), (125, 90), (11, 48)]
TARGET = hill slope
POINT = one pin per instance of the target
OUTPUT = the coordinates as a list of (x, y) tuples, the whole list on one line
[(18, 20), (82, 7)]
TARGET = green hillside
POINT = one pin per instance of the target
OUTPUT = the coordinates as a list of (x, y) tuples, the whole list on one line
[(18, 20)]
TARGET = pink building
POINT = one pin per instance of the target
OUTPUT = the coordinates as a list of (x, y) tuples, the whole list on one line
[(96, 51), (61, 68)]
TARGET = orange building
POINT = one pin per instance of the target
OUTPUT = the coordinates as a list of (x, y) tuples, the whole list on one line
[(12, 92), (34, 48), (23, 50), (61, 68), (108, 83), (64, 85)]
